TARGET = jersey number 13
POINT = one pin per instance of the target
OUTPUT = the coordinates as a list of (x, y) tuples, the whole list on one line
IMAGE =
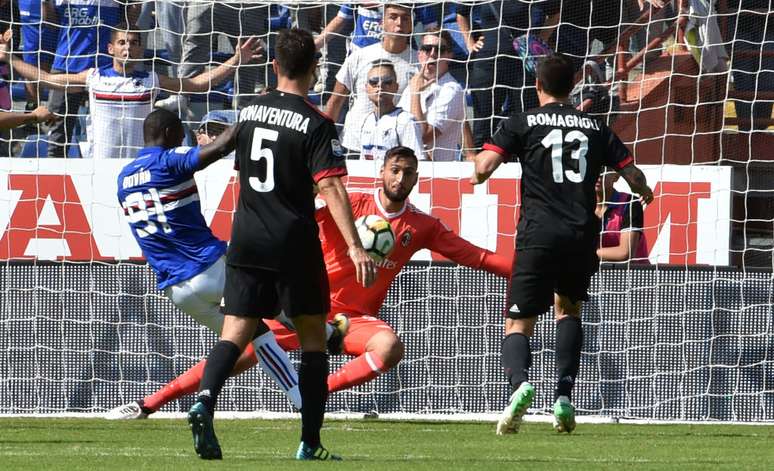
[(555, 141)]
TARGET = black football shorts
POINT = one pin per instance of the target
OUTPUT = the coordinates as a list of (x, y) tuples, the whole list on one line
[(539, 273), (255, 292)]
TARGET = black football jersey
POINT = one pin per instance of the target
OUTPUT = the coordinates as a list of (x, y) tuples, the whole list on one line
[(284, 146), (562, 152)]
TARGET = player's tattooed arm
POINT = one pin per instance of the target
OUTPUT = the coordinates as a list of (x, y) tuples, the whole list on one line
[(637, 182), (220, 147), (486, 162)]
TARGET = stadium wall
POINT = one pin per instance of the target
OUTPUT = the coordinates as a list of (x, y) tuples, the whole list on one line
[(67, 209)]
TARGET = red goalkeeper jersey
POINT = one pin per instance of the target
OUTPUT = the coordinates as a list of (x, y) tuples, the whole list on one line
[(414, 230)]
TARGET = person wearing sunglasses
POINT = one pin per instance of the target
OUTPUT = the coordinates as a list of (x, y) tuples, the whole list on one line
[(387, 126), (435, 98), (397, 26)]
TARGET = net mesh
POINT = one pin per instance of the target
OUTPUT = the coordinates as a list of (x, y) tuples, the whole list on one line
[(688, 87)]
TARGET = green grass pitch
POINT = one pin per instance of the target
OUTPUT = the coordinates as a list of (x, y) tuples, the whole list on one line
[(89, 444)]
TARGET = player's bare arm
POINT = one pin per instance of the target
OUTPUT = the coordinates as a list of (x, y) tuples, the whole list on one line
[(223, 145), (486, 162), (335, 25), (637, 182), (335, 195), (12, 119), (250, 50), (336, 101), (30, 72)]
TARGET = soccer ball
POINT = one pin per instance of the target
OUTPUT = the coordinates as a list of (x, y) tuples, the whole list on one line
[(376, 236)]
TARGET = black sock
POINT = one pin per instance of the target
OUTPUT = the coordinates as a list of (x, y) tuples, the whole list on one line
[(517, 358), (569, 341), (220, 362), (313, 383)]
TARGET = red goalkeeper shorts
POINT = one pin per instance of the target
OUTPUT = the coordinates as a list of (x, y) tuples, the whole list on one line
[(361, 330)]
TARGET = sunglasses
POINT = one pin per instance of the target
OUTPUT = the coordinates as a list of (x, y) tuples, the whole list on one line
[(429, 48), (383, 80)]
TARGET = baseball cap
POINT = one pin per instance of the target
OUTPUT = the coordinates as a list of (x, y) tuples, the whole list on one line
[(224, 117)]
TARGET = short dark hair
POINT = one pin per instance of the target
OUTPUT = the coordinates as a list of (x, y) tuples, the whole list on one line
[(557, 75), (446, 37), (399, 5), (401, 151), (157, 121), (383, 63), (295, 52), (123, 28)]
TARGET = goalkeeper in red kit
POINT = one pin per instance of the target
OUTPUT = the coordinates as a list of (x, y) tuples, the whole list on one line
[(372, 342)]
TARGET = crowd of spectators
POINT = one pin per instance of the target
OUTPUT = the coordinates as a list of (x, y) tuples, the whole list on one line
[(434, 77), (456, 72)]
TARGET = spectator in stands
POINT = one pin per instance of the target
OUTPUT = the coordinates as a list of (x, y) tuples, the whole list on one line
[(234, 20), (84, 33), (351, 80), (435, 99), (497, 80), (622, 239), (168, 17), (213, 124), (12, 119), (121, 97), (752, 60), (367, 20), (38, 41), (315, 19), (387, 126), (578, 24), (364, 21)]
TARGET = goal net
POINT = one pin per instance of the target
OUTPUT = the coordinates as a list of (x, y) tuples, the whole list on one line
[(688, 336)]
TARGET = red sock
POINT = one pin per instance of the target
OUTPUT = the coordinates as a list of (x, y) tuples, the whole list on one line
[(188, 382), (358, 371), (185, 384)]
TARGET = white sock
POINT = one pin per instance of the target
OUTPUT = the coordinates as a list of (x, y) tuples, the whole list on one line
[(287, 322), (275, 362)]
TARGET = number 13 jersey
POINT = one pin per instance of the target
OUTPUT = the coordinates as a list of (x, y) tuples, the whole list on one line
[(158, 194), (284, 147), (561, 151)]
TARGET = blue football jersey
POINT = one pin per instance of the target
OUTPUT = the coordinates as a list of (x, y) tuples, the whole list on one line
[(85, 30), (35, 35), (158, 193), (368, 21)]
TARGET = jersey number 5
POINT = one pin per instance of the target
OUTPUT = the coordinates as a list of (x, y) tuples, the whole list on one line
[(555, 141), (258, 153)]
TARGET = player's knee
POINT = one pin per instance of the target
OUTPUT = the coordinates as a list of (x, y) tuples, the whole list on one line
[(524, 326), (391, 351), (564, 307)]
